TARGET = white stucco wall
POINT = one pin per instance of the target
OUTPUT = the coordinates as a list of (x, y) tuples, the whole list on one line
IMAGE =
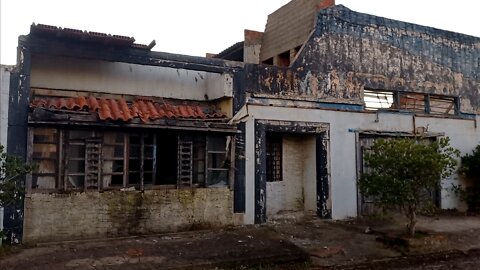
[(4, 90), (464, 136), (131, 79)]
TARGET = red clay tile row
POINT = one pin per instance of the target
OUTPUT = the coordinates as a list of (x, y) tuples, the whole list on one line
[(51, 30), (120, 110)]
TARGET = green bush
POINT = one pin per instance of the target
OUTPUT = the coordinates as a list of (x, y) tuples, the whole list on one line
[(470, 170), (403, 171), (12, 171)]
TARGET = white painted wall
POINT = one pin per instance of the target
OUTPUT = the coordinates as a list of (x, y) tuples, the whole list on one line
[(464, 136), (4, 90), (309, 173), (123, 78)]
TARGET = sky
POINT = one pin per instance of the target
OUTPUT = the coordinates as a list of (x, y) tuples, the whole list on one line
[(196, 27)]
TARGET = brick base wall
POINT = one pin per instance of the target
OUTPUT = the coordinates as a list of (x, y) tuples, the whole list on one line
[(56, 217)]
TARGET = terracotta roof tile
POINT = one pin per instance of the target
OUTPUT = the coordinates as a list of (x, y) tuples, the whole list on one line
[(103, 38), (121, 110)]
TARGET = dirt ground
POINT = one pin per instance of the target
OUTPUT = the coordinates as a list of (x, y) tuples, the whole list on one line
[(306, 243), (202, 249)]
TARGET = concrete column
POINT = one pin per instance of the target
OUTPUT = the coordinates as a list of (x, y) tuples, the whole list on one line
[(252, 46)]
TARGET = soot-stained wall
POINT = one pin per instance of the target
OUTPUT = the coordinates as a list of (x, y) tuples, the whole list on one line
[(350, 51)]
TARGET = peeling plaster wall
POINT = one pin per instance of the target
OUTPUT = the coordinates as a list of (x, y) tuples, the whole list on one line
[(351, 51), (55, 217), (463, 134), (123, 78)]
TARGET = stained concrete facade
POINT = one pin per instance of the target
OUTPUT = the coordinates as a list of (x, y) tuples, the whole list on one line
[(347, 53), (67, 73), (56, 217), (316, 102), (344, 128)]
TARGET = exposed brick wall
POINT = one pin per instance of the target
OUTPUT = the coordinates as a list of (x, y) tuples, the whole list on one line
[(290, 26), (252, 46), (54, 217)]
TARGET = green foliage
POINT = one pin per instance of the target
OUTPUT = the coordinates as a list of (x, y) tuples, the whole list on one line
[(471, 164), (403, 171), (470, 170), (12, 169)]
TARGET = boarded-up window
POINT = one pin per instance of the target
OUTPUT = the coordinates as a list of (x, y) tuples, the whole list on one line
[(45, 157), (412, 102), (443, 105)]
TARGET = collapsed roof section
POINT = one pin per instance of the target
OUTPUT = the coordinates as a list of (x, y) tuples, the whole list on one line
[(119, 111), (50, 31)]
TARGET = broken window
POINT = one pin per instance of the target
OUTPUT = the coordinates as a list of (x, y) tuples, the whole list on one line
[(375, 100), (81, 160), (274, 157), (45, 157), (412, 102), (113, 159), (415, 102), (141, 159), (218, 164), (442, 105), (75, 154)]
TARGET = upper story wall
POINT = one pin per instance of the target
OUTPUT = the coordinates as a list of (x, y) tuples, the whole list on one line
[(289, 26), (67, 73), (350, 51)]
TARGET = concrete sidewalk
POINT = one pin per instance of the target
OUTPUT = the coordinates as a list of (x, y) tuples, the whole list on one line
[(306, 243)]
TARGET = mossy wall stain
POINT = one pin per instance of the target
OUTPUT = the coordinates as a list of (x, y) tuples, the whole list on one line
[(126, 211), (56, 217)]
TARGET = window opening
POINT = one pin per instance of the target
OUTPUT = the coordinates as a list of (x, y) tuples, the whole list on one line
[(442, 105), (166, 161), (274, 157), (283, 59), (269, 61), (75, 158), (375, 100), (411, 102), (83, 160), (113, 154), (217, 161), (45, 156)]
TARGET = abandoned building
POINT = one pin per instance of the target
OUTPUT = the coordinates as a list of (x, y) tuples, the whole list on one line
[(132, 141)]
